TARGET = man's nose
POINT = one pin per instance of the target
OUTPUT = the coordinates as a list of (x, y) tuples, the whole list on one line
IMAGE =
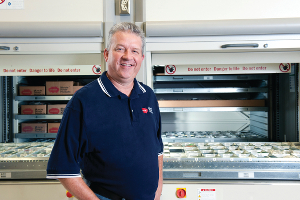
[(127, 55)]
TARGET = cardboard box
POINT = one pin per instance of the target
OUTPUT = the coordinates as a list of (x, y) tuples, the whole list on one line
[(211, 103), (75, 88), (53, 127), (34, 128), (32, 90), (56, 109), (59, 87), (33, 109)]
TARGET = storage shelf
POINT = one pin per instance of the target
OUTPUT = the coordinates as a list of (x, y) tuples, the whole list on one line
[(38, 116), (208, 90), (201, 109), (43, 98), (35, 135), (210, 78)]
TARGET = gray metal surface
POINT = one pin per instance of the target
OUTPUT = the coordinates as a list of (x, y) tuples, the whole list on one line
[(210, 78), (260, 139), (42, 98), (38, 116), (35, 135), (222, 27), (236, 160), (51, 29), (29, 161), (197, 109), (208, 90)]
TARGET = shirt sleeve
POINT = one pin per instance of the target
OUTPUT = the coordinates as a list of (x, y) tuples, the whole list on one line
[(69, 146), (161, 145)]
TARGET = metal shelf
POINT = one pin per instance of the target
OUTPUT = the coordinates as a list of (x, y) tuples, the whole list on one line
[(201, 109), (208, 90), (35, 135), (175, 140), (210, 78), (43, 98), (38, 116)]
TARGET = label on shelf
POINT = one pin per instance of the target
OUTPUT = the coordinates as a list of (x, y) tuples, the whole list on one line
[(50, 70), (246, 175), (5, 175), (228, 69)]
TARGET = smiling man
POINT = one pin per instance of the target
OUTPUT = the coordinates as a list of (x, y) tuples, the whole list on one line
[(111, 130)]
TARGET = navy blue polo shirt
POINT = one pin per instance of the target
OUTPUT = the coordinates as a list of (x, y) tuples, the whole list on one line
[(114, 139)]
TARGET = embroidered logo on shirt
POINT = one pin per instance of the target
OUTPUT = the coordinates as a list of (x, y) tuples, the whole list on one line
[(150, 110), (145, 110)]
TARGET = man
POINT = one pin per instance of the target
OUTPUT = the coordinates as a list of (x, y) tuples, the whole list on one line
[(111, 130)]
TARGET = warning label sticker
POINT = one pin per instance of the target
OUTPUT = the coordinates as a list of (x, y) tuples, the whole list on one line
[(50, 70), (206, 194), (228, 69), (11, 4)]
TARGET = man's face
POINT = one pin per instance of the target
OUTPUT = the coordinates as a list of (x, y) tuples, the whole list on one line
[(125, 57)]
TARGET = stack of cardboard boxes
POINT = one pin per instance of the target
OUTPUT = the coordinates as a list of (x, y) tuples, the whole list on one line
[(63, 88), (39, 127)]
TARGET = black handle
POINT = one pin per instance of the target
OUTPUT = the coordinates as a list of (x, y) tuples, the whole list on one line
[(174, 77), (4, 48), (239, 45)]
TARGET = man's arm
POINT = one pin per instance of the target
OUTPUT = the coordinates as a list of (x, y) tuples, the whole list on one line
[(78, 188), (160, 181)]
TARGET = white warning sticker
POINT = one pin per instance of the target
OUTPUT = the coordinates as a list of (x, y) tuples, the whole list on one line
[(246, 174), (206, 194), (11, 4), (5, 175)]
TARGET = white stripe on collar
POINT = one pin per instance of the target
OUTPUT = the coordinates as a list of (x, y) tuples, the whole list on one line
[(141, 87), (102, 87)]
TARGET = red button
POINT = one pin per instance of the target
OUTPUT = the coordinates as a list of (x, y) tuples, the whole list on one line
[(69, 194), (181, 193)]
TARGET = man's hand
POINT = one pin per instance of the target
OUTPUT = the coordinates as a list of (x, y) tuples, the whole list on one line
[(78, 188)]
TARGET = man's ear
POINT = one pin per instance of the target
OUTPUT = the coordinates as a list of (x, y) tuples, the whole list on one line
[(105, 53)]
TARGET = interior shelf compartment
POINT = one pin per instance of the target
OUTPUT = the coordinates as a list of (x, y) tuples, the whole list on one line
[(43, 98), (210, 78), (38, 116), (35, 135), (208, 90), (211, 103), (242, 160)]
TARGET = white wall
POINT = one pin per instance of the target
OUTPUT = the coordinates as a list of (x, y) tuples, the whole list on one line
[(175, 10), (63, 10)]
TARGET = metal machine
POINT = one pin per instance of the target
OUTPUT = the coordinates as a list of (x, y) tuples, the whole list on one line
[(229, 108)]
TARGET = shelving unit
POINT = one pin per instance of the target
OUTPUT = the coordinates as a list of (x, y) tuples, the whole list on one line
[(240, 98), (18, 100)]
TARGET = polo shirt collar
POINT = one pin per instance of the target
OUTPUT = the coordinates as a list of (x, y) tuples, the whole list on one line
[(109, 89)]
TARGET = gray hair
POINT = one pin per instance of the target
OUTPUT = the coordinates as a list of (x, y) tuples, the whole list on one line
[(126, 26)]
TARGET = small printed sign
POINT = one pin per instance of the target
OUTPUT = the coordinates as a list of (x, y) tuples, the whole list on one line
[(246, 174), (207, 194), (285, 67), (5, 175), (97, 69), (228, 69), (170, 69), (11, 4)]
